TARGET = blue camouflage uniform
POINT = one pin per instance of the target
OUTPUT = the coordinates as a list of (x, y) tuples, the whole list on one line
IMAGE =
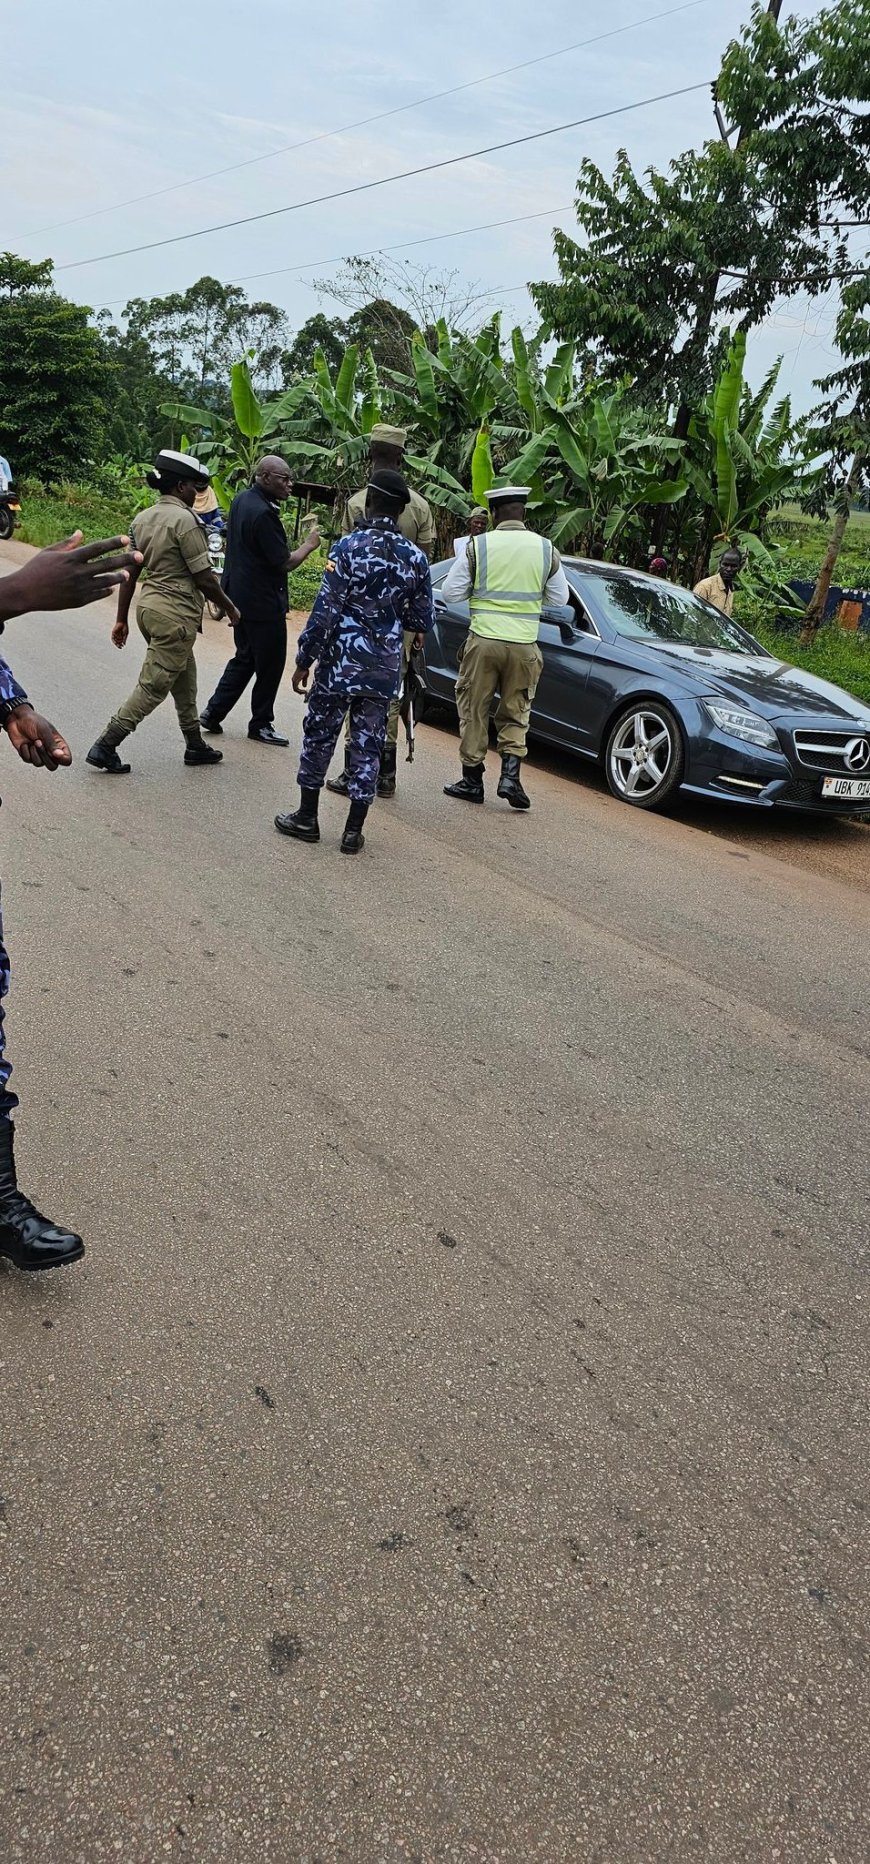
[(11, 694), (375, 585)]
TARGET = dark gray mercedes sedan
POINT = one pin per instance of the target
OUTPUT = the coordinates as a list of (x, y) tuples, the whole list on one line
[(668, 694)]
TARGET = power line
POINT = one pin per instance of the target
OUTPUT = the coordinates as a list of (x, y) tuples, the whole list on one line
[(380, 116), (365, 187)]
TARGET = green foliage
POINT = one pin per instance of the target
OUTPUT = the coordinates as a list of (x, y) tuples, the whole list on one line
[(53, 375), (50, 513)]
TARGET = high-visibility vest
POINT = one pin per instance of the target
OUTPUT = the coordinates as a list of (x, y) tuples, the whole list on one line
[(512, 569)]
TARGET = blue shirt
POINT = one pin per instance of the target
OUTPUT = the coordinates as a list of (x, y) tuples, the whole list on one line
[(376, 584)]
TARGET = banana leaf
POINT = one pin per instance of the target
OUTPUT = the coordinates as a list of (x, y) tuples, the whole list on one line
[(192, 417), (525, 389), (530, 460), (370, 409), (482, 469), (425, 379), (726, 406), (246, 407), (558, 375), (346, 378)]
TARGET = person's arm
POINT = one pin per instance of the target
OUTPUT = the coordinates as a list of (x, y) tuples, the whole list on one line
[(325, 615), (422, 608), (34, 738), (67, 575), (557, 593), (426, 538), (306, 549), (121, 627), (459, 581), (194, 549)]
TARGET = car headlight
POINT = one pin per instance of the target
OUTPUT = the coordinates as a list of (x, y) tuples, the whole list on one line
[(739, 724)]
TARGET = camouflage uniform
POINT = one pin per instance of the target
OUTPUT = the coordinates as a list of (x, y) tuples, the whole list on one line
[(375, 584), (418, 525), (11, 694)]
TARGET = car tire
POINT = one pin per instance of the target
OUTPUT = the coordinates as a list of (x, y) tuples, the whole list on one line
[(646, 755)]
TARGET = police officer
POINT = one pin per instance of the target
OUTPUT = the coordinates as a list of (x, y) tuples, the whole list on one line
[(505, 576), (386, 454), (66, 576), (179, 577), (375, 586)]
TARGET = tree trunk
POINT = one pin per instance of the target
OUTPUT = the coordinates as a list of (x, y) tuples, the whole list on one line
[(816, 606)]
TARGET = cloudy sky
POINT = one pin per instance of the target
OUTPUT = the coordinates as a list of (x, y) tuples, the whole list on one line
[(104, 102)]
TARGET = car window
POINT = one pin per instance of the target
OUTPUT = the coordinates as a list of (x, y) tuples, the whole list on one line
[(659, 611)]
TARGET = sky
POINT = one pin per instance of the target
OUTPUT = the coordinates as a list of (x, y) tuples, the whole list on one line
[(103, 102)]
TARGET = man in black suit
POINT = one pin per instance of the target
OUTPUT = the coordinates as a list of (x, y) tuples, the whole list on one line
[(255, 579)]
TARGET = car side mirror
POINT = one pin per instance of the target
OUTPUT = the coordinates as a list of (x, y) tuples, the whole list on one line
[(562, 618)]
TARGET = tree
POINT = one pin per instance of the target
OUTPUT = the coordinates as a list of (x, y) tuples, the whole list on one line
[(231, 445), (327, 334), (663, 264), (54, 377), (844, 432), (389, 299), (196, 335)]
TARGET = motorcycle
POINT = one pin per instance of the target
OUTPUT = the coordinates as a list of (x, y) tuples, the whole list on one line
[(10, 511), (216, 536)]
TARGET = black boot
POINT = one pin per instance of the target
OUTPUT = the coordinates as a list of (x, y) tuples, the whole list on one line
[(26, 1237), (211, 724), (303, 823), (469, 789), (198, 752), (509, 785), (104, 754), (340, 785), (353, 838), (387, 778)]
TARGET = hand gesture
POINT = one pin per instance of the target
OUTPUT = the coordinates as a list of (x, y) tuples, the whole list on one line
[(299, 681), (68, 575), (36, 740)]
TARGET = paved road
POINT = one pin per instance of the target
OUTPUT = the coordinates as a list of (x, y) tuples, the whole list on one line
[(454, 1444)]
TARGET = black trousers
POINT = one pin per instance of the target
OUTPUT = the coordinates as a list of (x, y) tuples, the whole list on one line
[(261, 656)]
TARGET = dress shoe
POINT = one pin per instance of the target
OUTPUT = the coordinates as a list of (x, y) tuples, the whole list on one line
[(509, 785), (210, 724), (27, 1238), (266, 734), (469, 789)]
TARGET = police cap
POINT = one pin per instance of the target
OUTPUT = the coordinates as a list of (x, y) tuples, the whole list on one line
[(512, 492), (170, 465), (391, 487), (384, 435)]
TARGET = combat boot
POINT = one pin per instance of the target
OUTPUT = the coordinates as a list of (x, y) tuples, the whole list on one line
[(104, 754), (387, 778), (302, 824), (198, 752), (353, 838), (509, 785), (27, 1238), (340, 785), (469, 789)]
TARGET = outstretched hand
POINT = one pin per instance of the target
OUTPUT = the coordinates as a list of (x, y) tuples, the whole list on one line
[(68, 575), (36, 740)]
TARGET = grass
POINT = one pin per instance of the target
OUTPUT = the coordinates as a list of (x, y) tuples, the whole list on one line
[(835, 655), (47, 516)]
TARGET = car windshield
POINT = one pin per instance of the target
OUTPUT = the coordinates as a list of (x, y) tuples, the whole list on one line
[(660, 611)]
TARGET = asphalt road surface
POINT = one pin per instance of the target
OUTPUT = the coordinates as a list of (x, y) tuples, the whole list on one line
[(454, 1443)]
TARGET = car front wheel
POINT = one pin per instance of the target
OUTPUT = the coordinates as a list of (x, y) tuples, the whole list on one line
[(645, 756)]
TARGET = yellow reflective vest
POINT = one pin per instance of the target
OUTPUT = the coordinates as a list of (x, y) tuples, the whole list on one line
[(512, 570)]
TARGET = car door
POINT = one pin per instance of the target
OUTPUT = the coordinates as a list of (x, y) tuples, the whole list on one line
[(442, 645), (558, 708)]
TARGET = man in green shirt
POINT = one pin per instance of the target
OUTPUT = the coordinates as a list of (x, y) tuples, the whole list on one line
[(386, 453), (179, 577)]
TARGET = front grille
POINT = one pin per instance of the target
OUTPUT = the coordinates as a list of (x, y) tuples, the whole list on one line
[(826, 750)]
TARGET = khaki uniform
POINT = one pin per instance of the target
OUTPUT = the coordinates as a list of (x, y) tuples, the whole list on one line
[(714, 589), (500, 654), (418, 525), (168, 612)]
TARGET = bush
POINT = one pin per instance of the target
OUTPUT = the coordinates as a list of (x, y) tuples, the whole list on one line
[(835, 655), (50, 513)]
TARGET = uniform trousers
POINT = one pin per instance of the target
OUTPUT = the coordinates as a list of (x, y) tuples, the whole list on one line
[(393, 714), (8, 1101), (169, 667), (367, 725), (486, 667), (261, 656)]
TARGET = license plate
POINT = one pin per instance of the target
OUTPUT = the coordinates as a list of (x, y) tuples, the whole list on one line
[(853, 788)]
